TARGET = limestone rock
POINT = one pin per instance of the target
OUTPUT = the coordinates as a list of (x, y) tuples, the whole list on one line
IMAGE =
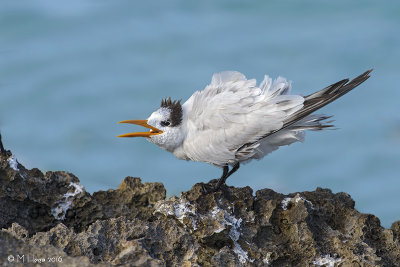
[(50, 216)]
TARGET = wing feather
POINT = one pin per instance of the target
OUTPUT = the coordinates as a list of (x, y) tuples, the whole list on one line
[(302, 120), (233, 119), (232, 111)]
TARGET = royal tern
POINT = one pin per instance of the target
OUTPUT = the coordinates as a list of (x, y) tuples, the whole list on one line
[(233, 120)]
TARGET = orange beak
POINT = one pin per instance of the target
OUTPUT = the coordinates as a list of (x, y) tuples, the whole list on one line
[(153, 130)]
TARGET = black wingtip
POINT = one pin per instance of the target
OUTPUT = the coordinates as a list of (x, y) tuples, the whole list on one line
[(369, 71), (366, 74)]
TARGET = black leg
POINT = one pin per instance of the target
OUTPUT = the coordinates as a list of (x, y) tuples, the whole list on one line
[(208, 188), (234, 169), (226, 174), (222, 180), (225, 171)]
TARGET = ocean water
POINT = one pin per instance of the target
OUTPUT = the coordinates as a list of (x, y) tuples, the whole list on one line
[(69, 71)]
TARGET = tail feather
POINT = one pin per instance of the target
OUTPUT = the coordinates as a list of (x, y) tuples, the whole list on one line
[(313, 122)]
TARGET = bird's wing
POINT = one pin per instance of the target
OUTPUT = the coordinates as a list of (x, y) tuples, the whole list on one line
[(302, 119), (325, 96), (233, 111)]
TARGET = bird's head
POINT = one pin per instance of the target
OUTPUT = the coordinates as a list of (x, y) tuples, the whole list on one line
[(165, 125)]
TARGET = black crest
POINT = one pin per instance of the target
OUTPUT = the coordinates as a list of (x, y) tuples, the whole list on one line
[(176, 110)]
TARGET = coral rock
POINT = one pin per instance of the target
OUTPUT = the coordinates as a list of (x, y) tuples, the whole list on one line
[(51, 215)]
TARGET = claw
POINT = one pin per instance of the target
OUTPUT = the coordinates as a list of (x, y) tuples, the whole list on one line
[(208, 189)]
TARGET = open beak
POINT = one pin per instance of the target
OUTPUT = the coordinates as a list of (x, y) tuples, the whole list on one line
[(153, 130)]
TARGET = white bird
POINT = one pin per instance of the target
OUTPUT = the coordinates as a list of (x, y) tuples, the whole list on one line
[(234, 121)]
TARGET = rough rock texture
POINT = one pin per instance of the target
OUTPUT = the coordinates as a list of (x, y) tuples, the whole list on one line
[(50, 218)]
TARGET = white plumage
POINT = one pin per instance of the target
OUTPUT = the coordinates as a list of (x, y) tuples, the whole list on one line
[(233, 111), (233, 120)]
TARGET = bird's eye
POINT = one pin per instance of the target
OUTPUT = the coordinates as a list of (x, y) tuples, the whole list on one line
[(165, 123)]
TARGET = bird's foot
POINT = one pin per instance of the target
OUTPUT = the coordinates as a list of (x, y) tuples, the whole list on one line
[(207, 189), (211, 187)]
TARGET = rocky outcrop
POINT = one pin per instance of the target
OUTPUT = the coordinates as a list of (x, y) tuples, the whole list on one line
[(50, 219)]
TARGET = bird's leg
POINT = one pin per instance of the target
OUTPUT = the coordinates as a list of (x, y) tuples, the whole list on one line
[(234, 169), (222, 180), (209, 189), (226, 174)]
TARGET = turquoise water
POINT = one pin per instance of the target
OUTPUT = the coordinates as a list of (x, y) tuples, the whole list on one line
[(69, 71)]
